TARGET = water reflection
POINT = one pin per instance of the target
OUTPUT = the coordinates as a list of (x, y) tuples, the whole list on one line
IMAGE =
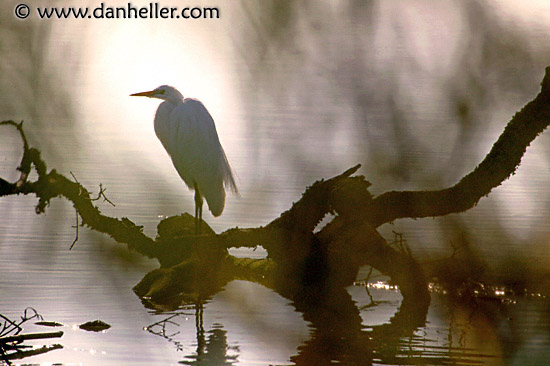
[(340, 333), (212, 347)]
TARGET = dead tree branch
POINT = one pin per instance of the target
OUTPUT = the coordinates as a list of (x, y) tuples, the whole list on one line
[(501, 163), (52, 184), (302, 257)]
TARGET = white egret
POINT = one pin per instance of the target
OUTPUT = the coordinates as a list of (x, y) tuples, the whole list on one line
[(188, 133)]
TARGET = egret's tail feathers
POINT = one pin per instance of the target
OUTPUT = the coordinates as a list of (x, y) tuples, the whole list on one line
[(216, 201), (213, 187), (230, 184), (229, 177)]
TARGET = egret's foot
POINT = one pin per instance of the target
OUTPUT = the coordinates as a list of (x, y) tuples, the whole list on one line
[(183, 225)]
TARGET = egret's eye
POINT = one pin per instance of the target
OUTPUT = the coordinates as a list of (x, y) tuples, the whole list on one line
[(161, 91)]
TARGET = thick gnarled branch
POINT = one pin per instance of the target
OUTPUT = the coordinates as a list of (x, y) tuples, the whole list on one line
[(501, 163), (302, 258)]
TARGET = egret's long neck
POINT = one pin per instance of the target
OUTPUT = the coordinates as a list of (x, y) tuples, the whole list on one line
[(174, 99)]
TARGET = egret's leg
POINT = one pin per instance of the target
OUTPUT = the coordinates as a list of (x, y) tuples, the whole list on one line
[(200, 216), (196, 215), (198, 210)]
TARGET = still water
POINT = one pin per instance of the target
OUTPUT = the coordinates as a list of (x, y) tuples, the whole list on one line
[(245, 324), (417, 94)]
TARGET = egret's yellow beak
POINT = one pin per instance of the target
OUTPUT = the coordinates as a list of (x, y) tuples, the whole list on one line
[(149, 94)]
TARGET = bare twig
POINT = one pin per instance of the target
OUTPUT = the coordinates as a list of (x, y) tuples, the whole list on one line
[(76, 228), (81, 190), (19, 127), (372, 302), (401, 243), (102, 194), (76, 214), (24, 169), (10, 326)]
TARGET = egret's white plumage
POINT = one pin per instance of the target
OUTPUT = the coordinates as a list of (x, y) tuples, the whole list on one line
[(188, 133)]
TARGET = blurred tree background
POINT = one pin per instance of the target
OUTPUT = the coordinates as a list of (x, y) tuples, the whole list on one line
[(417, 93)]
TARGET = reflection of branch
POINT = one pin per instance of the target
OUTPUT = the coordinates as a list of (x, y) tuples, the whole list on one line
[(339, 335), (23, 354), (372, 302), (159, 329), (209, 351), (13, 342)]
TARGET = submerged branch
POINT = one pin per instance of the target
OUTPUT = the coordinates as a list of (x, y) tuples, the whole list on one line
[(24, 337)]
